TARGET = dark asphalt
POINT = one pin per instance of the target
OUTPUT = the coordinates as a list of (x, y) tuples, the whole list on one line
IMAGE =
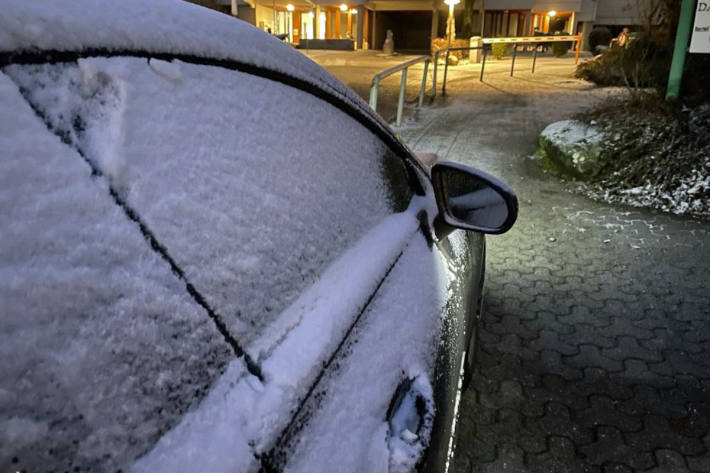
[(594, 345)]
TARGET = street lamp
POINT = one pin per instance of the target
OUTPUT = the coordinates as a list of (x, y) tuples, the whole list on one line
[(451, 22), (290, 8), (550, 15)]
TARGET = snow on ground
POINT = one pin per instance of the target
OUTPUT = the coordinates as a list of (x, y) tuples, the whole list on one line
[(101, 348), (681, 190), (689, 197), (242, 416), (209, 159)]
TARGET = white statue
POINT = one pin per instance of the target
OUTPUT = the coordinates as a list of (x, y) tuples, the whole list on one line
[(388, 47)]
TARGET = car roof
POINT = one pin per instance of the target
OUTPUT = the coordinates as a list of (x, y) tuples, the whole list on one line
[(61, 30)]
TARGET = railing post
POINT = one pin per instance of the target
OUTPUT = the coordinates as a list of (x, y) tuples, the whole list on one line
[(577, 49), (512, 64), (423, 90), (535, 57), (400, 103), (483, 64), (373, 92), (446, 71), (433, 79)]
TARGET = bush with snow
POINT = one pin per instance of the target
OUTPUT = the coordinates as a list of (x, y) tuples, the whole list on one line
[(637, 150)]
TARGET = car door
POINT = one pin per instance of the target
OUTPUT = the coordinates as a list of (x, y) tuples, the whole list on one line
[(388, 398), (305, 242)]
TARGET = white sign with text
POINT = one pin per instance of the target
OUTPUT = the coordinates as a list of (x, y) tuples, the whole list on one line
[(700, 41)]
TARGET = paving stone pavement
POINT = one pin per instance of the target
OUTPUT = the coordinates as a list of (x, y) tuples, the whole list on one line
[(594, 345)]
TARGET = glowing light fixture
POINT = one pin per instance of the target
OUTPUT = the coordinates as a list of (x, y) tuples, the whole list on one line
[(343, 7), (552, 13), (450, 22), (353, 11), (290, 7), (311, 14)]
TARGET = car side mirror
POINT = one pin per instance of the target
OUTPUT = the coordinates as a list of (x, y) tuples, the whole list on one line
[(473, 200)]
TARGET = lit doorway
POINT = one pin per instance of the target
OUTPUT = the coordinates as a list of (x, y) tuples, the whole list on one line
[(307, 26)]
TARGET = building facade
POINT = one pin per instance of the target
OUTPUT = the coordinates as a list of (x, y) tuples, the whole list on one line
[(416, 22)]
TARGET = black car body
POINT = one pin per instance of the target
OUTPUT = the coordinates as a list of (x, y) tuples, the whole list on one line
[(216, 256)]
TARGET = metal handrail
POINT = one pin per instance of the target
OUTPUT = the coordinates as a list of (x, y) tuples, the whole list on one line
[(374, 88), (532, 40), (516, 41)]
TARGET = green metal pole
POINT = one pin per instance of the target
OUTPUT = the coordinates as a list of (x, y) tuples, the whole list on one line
[(681, 49)]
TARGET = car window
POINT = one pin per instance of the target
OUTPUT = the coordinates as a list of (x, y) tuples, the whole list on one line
[(252, 186)]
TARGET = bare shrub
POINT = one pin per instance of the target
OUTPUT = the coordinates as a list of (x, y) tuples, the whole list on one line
[(499, 50), (599, 37)]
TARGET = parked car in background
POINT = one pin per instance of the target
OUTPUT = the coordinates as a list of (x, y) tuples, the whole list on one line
[(216, 257)]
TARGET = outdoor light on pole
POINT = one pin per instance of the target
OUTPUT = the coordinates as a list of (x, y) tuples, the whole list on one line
[(290, 8), (450, 22), (311, 17), (548, 21)]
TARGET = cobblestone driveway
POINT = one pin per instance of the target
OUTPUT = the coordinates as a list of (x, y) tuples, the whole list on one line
[(594, 350)]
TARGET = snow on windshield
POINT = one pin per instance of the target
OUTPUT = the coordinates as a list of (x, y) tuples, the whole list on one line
[(101, 348), (252, 186)]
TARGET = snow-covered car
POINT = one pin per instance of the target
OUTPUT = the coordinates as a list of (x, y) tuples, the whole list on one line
[(215, 257)]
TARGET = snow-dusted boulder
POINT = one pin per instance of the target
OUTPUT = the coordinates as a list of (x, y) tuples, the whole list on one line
[(573, 146)]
